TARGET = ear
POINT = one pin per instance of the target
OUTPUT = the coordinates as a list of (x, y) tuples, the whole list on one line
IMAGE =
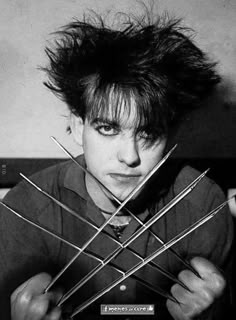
[(77, 128)]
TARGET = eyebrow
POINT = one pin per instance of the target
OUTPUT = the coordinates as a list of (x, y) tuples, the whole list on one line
[(105, 120), (115, 124)]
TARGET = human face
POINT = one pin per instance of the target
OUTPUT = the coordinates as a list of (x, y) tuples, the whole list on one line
[(117, 155)]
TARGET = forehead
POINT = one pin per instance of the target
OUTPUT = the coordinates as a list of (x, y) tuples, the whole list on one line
[(125, 116), (121, 109)]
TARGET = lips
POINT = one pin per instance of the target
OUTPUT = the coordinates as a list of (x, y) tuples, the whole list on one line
[(124, 177)]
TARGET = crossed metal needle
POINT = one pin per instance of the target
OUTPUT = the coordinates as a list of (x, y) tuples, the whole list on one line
[(127, 199), (86, 252), (114, 239), (186, 263), (128, 241), (152, 256), (130, 272), (144, 227), (134, 236)]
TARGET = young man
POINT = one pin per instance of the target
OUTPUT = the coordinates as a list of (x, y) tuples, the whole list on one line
[(126, 90)]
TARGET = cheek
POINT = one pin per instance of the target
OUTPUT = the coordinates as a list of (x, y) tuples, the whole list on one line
[(98, 147), (151, 157), (95, 153)]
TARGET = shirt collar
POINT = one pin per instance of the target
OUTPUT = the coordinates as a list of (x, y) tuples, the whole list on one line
[(75, 178)]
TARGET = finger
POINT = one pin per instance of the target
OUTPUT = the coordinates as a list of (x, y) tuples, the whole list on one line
[(19, 290), (190, 280), (190, 304), (55, 295), (199, 290), (36, 284), (55, 314), (176, 311), (38, 308), (180, 294), (22, 296), (203, 266), (29, 300), (19, 305), (203, 291), (211, 276)]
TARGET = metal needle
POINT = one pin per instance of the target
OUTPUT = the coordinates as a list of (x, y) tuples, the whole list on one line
[(87, 252), (134, 236), (186, 263), (134, 269), (128, 198), (77, 216)]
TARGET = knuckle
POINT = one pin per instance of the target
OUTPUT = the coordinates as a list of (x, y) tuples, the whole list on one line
[(207, 298), (23, 298), (219, 284), (38, 307), (177, 290), (184, 275), (20, 303), (174, 289), (13, 298), (43, 277), (55, 314)]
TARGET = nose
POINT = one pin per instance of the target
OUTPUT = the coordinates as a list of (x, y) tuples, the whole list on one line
[(128, 151)]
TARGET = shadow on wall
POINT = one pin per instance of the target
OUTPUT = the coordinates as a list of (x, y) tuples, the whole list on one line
[(12, 74), (210, 132)]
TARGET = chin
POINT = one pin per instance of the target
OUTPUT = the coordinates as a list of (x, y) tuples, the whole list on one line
[(118, 194), (123, 195)]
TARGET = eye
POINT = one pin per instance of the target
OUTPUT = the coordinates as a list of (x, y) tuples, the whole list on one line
[(145, 135), (148, 139), (107, 130)]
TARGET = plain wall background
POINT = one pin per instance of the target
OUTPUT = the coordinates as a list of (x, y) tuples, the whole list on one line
[(30, 114)]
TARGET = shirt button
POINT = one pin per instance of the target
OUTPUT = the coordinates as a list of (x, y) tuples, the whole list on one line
[(123, 287)]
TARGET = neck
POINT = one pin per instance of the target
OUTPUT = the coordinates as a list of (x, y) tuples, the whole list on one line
[(108, 206), (98, 195), (117, 220)]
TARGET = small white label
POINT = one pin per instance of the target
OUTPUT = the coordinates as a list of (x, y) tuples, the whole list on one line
[(130, 309)]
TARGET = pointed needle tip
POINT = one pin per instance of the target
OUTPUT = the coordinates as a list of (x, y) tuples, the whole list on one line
[(202, 175), (23, 176), (55, 140), (30, 182), (61, 146), (173, 148)]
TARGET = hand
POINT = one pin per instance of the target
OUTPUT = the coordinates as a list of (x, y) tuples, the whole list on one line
[(29, 302), (203, 292)]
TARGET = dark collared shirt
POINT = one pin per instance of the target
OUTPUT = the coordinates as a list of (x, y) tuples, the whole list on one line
[(26, 251)]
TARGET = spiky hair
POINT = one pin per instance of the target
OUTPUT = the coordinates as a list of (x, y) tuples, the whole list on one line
[(95, 69)]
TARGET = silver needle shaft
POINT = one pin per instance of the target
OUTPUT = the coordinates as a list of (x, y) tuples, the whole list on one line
[(128, 198), (186, 263), (86, 252), (150, 257), (77, 216), (134, 236)]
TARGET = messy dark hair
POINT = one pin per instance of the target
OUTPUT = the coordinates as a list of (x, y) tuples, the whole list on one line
[(96, 69)]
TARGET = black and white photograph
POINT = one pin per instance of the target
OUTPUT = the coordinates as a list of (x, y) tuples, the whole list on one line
[(118, 159)]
